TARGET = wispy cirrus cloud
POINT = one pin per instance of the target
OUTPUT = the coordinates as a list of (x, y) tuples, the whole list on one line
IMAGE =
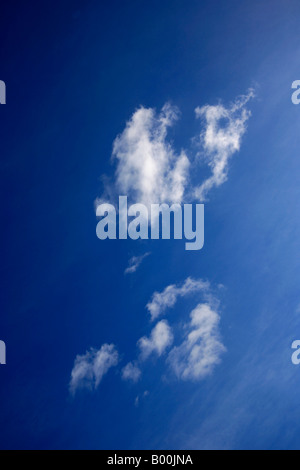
[(223, 129), (135, 262), (89, 368), (167, 298)]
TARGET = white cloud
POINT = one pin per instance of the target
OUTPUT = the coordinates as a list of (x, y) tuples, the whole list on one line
[(134, 263), (90, 368), (131, 372), (201, 349), (160, 339), (167, 298), (220, 141), (148, 169)]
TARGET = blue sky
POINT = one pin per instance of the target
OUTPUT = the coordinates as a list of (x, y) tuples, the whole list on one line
[(75, 74)]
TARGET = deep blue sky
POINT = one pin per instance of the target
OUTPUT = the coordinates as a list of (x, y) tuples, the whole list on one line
[(75, 72)]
